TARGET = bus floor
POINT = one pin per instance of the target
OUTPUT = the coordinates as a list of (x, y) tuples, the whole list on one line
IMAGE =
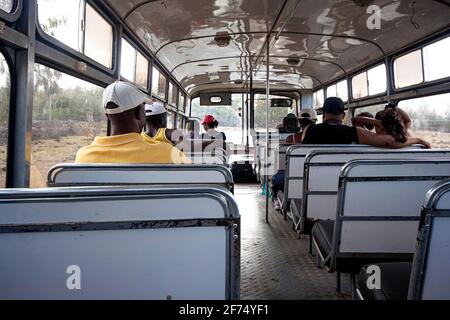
[(275, 264)]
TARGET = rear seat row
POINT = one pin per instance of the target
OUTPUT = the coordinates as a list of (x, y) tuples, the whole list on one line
[(122, 232), (360, 205)]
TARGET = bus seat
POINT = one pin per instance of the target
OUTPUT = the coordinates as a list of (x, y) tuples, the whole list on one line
[(321, 176), (109, 243), (69, 175), (427, 276), (376, 220)]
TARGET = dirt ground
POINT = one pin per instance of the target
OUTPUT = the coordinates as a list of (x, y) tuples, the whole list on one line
[(47, 153)]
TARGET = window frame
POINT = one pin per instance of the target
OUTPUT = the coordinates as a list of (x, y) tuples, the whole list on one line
[(175, 87), (423, 83), (136, 51), (163, 99), (15, 13), (53, 42)]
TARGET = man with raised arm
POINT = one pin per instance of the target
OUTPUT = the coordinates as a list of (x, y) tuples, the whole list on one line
[(124, 107), (333, 131)]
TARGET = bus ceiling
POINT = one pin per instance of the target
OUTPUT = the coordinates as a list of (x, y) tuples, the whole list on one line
[(216, 44)]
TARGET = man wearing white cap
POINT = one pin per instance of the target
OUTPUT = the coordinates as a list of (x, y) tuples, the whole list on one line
[(124, 106), (156, 125)]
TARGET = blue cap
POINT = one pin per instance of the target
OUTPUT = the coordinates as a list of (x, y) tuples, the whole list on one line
[(334, 106)]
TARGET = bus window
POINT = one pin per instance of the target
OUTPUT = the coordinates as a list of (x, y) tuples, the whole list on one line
[(228, 117), (4, 116), (373, 110), (276, 115), (377, 78), (173, 95), (436, 62), (170, 119), (7, 5), (159, 84), (359, 85), (67, 115), (431, 118), (182, 102), (61, 20), (408, 69), (339, 90), (134, 66), (319, 99)]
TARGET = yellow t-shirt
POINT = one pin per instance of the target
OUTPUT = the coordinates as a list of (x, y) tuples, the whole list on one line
[(130, 148), (160, 137)]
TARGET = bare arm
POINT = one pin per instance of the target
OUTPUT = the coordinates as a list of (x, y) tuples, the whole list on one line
[(386, 141), (364, 121)]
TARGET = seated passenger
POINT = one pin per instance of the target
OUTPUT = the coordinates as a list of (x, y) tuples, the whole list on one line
[(307, 118), (391, 121), (156, 125), (332, 131), (124, 107), (210, 124)]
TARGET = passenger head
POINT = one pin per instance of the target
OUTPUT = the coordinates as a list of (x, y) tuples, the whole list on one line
[(392, 123), (209, 123), (333, 109), (124, 107), (156, 115), (290, 123), (367, 115), (307, 117)]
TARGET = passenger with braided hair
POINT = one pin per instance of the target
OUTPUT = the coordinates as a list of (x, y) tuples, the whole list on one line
[(391, 121)]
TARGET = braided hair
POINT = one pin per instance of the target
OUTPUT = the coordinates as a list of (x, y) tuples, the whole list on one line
[(392, 123)]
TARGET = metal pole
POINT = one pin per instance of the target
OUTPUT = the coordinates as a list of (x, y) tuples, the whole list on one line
[(267, 129)]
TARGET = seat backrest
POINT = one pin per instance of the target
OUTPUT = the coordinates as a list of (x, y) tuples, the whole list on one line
[(66, 175), (153, 243), (322, 169), (379, 203), (280, 156), (430, 276), (295, 160)]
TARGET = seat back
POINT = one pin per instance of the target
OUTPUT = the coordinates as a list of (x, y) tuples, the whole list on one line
[(322, 169), (295, 160), (119, 243), (378, 206), (66, 175), (430, 277)]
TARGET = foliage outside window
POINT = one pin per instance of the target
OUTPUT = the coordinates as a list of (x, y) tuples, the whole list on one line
[(5, 92), (67, 115)]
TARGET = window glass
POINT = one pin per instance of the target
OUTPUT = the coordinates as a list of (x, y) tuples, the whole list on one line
[(436, 61), (431, 118), (67, 115), (141, 78), (331, 91), (159, 84), (170, 119), (127, 61), (63, 21), (60, 19), (319, 99), (408, 69), (377, 80), (5, 89), (173, 94), (228, 117), (182, 102), (342, 90), (7, 5), (276, 115), (359, 86), (98, 38)]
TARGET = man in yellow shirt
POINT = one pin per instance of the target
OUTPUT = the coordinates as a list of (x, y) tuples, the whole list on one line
[(124, 107)]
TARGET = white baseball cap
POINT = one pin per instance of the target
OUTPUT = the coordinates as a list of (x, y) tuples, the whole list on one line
[(308, 114), (123, 94), (155, 109)]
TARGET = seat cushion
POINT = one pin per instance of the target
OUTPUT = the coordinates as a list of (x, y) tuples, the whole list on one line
[(322, 233), (394, 282)]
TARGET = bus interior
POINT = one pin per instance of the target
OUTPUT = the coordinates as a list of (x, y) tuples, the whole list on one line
[(350, 221)]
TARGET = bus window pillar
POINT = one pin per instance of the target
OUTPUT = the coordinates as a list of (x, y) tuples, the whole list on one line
[(22, 102)]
